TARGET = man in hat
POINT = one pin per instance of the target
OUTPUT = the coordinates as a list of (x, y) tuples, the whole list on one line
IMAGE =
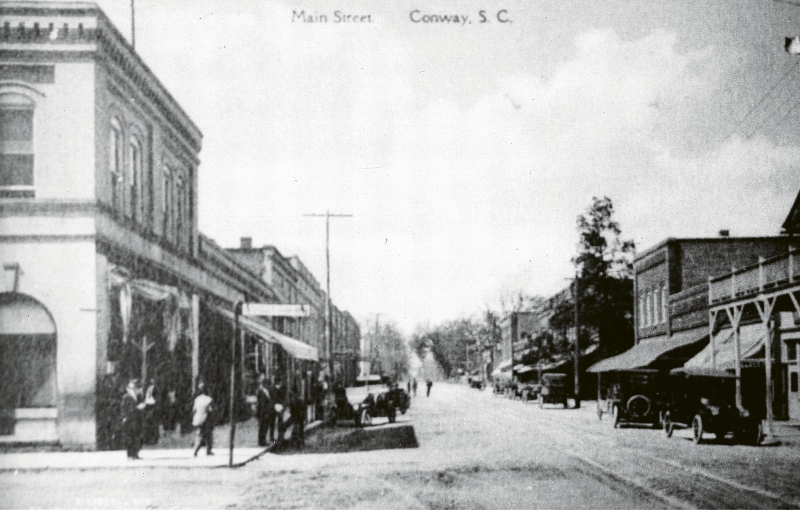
[(132, 410)]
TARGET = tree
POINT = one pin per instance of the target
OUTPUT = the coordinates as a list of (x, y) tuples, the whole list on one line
[(388, 351), (604, 270)]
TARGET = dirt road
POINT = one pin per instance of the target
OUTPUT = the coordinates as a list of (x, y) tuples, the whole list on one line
[(476, 450)]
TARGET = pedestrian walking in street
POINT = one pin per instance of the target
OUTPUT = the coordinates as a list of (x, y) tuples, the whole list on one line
[(408, 387), (428, 383), (132, 410), (414, 386), (265, 412), (202, 420)]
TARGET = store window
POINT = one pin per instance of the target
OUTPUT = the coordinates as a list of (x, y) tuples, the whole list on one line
[(16, 146)]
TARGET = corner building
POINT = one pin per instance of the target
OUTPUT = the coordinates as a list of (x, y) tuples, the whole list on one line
[(105, 275)]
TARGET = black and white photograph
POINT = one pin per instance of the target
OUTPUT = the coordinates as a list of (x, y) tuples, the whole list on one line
[(441, 255)]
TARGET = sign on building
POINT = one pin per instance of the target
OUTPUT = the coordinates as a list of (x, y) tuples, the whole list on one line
[(272, 310)]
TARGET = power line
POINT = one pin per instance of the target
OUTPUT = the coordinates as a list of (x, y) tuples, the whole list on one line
[(761, 101)]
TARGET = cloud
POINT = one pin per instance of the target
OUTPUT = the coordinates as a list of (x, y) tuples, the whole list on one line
[(454, 201)]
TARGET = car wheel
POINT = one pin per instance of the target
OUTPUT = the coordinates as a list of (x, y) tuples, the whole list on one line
[(751, 434), (697, 429), (669, 427)]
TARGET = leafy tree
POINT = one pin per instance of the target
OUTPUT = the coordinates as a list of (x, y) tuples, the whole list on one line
[(388, 351), (604, 269)]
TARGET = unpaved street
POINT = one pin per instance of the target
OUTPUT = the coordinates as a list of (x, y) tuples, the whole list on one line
[(477, 450)]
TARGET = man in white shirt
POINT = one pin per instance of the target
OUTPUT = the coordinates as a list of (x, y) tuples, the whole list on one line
[(202, 421)]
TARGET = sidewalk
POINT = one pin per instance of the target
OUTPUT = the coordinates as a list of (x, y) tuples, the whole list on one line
[(173, 451)]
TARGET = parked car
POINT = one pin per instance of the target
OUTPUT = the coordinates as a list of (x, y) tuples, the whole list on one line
[(706, 405), (635, 397), (553, 390), (401, 398), (530, 391), (386, 404)]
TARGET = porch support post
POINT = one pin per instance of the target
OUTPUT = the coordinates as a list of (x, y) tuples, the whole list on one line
[(711, 325), (735, 317), (765, 312)]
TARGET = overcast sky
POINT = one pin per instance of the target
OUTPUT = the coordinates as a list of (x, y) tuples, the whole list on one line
[(465, 151)]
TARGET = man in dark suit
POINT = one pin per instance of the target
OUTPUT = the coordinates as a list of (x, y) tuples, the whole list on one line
[(265, 411), (132, 410)]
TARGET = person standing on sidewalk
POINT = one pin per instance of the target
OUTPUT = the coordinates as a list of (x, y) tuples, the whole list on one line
[(202, 421), (265, 412), (298, 408), (132, 410), (279, 395)]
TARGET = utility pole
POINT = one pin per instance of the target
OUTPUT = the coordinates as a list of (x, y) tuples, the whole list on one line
[(328, 326), (133, 25), (577, 353)]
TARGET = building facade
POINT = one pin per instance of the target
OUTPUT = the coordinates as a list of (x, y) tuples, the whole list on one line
[(105, 275)]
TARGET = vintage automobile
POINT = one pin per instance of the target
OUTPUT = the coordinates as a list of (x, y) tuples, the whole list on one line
[(400, 397), (634, 397), (705, 403), (530, 391), (384, 404), (554, 390)]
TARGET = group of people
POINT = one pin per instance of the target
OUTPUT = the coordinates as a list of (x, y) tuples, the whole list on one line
[(277, 410), (412, 387), (140, 424)]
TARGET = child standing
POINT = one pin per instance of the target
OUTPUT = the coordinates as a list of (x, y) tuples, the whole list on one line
[(201, 419)]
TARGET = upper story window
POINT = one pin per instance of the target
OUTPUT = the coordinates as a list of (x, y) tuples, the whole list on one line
[(642, 316), (180, 211), (664, 303), (115, 168), (166, 204), (656, 307), (16, 146), (135, 179), (649, 308)]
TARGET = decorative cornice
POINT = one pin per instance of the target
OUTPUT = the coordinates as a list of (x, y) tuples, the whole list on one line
[(85, 24)]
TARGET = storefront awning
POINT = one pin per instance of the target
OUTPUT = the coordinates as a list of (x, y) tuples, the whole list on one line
[(724, 346), (645, 353), (504, 368), (295, 348)]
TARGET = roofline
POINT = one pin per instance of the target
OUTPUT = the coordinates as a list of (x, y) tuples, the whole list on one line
[(671, 240), (30, 8), (795, 207)]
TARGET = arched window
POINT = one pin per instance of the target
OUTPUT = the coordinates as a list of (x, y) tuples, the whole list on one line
[(135, 178), (16, 146), (27, 354), (115, 166)]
